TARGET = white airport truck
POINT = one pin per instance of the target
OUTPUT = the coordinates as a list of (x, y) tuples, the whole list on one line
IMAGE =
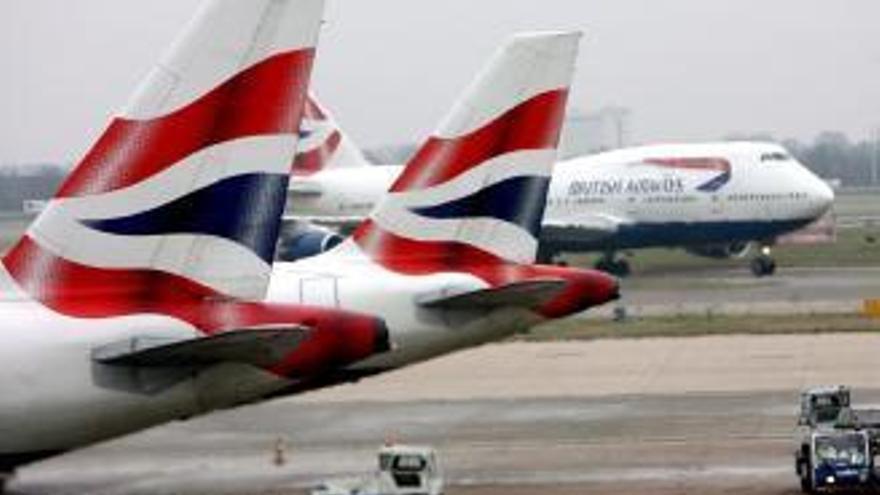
[(838, 445), (402, 470)]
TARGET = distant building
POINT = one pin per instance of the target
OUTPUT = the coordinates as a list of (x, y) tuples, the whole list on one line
[(588, 133)]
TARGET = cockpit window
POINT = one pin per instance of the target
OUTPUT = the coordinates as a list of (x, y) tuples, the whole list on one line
[(776, 156)]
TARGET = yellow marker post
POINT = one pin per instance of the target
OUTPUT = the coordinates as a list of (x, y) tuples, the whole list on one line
[(872, 308)]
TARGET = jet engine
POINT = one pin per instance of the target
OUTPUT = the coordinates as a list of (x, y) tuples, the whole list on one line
[(721, 251), (305, 240)]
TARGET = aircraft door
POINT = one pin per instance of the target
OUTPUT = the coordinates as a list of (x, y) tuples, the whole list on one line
[(717, 206)]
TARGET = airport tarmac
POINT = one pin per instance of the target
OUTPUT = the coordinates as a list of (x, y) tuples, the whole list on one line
[(797, 290), (698, 415)]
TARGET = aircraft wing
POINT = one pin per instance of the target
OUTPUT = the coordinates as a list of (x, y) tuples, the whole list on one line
[(529, 294), (256, 346), (581, 227), (301, 188)]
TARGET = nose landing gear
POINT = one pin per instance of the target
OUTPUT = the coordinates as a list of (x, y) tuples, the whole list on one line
[(609, 263), (763, 265)]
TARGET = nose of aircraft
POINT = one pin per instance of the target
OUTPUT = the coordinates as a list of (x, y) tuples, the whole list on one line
[(820, 196), (584, 289)]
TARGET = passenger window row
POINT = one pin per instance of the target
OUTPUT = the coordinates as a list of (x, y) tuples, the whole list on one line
[(767, 197)]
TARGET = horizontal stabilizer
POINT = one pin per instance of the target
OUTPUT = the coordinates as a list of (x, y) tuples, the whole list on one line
[(257, 346), (528, 294)]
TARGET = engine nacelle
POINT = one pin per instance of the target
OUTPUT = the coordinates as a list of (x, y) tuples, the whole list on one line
[(721, 251), (304, 241)]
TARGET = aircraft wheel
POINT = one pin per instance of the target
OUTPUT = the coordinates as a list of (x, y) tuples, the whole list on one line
[(617, 267), (763, 266), (622, 268), (545, 257)]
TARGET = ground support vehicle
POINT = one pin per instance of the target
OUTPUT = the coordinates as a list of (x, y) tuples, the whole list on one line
[(402, 470)]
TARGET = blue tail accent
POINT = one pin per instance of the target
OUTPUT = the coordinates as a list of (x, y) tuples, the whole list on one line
[(519, 200), (716, 183), (224, 209)]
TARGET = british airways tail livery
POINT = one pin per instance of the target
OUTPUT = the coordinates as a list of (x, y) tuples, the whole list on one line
[(479, 183), (136, 296), (451, 246), (323, 145)]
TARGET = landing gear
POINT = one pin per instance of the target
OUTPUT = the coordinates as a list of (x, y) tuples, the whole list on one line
[(613, 265), (546, 256), (763, 265)]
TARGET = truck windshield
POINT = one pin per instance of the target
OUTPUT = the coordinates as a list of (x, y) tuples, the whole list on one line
[(847, 448), (826, 408), (411, 463)]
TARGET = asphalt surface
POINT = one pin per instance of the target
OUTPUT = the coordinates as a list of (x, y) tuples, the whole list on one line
[(688, 442), (732, 291), (649, 416)]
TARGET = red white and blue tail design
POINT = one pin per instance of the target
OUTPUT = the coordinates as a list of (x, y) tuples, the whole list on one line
[(323, 144), (476, 191), (182, 195)]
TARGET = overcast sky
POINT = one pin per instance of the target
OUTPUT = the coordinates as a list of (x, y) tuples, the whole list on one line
[(389, 69)]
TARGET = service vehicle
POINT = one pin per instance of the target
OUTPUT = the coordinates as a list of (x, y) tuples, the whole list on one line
[(402, 470), (837, 445)]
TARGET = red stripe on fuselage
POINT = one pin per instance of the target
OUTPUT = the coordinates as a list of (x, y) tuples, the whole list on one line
[(335, 338), (82, 291), (533, 124), (412, 257), (719, 164), (265, 99), (584, 288)]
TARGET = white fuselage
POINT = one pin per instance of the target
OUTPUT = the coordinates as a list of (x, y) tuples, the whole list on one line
[(615, 200), (55, 397), (344, 278)]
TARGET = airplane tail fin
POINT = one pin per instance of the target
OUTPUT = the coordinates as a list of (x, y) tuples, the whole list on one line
[(182, 195), (476, 190), (323, 143)]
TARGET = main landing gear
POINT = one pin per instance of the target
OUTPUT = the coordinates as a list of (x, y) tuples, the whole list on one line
[(763, 265), (609, 263), (550, 258)]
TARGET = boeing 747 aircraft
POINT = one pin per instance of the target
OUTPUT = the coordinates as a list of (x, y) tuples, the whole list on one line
[(714, 200)]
